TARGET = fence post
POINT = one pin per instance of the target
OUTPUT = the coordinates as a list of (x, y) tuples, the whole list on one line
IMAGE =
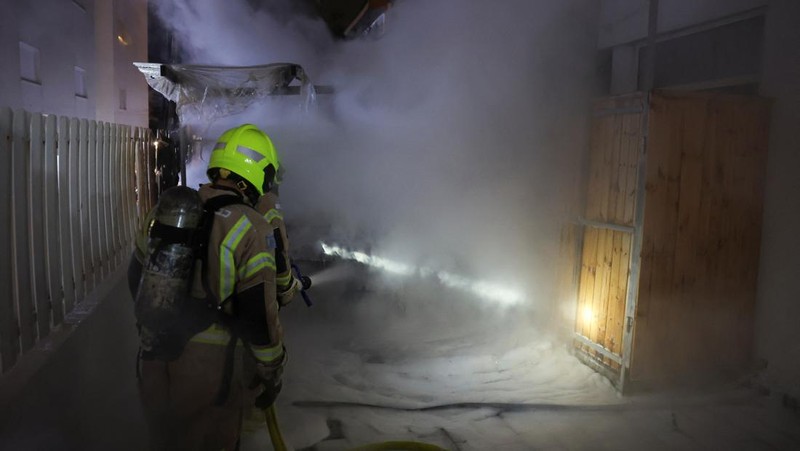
[(83, 151), (117, 172), (109, 186), (24, 292), (9, 334), (36, 226), (127, 172), (64, 222), (90, 205), (74, 214), (51, 221), (102, 197)]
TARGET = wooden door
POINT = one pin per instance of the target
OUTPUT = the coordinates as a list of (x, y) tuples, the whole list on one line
[(706, 160), (610, 234)]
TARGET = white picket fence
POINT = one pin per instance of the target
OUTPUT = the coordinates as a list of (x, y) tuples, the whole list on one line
[(72, 193)]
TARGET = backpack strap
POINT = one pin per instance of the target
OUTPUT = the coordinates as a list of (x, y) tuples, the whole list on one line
[(212, 206)]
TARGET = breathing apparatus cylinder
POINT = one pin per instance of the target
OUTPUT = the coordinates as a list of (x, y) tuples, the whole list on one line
[(169, 265)]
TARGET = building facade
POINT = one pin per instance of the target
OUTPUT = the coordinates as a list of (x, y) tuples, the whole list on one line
[(74, 58)]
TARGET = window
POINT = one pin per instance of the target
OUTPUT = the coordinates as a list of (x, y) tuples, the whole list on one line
[(123, 99), (29, 63), (80, 82), (728, 54)]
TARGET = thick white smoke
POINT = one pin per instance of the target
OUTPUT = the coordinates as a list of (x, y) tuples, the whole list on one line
[(454, 142)]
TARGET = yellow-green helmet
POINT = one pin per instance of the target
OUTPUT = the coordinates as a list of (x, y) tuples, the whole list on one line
[(247, 152)]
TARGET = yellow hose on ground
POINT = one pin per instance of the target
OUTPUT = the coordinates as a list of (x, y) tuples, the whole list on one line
[(399, 446), (274, 431), (280, 445)]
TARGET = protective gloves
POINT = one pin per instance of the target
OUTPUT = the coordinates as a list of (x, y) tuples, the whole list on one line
[(268, 395), (286, 296), (270, 376)]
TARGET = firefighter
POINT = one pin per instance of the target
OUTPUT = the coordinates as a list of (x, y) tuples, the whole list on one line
[(197, 400)]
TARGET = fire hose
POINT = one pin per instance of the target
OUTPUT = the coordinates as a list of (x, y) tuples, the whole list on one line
[(279, 444)]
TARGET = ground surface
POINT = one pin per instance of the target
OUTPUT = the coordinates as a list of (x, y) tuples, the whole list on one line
[(375, 361)]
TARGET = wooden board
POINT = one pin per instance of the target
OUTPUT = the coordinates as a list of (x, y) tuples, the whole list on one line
[(9, 334), (36, 212), (25, 290), (74, 214), (705, 177), (113, 171), (51, 219), (90, 206), (102, 197), (602, 287), (65, 224), (95, 201), (615, 143), (82, 195)]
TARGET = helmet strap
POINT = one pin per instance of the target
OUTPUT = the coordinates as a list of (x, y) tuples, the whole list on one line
[(241, 185)]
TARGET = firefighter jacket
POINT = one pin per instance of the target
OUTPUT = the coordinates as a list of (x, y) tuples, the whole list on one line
[(241, 255)]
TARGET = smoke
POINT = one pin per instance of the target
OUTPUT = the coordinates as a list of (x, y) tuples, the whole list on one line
[(454, 142)]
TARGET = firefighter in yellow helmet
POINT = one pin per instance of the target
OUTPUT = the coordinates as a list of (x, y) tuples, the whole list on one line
[(197, 400)]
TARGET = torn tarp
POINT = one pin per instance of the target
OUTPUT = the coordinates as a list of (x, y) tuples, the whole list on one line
[(209, 92)]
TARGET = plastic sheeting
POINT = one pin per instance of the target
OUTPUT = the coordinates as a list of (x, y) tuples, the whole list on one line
[(205, 93)]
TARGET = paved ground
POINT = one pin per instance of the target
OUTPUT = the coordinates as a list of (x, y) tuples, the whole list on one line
[(363, 372)]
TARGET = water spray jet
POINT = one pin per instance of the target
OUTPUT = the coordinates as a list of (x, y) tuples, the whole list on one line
[(495, 292)]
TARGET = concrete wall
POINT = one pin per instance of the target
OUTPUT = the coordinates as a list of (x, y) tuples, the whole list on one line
[(778, 303), (62, 32), (778, 325), (66, 34), (121, 40), (9, 55)]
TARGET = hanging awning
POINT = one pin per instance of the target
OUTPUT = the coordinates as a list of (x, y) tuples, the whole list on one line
[(216, 91)]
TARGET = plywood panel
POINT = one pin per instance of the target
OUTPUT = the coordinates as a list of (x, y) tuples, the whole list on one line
[(706, 157), (655, 299), (615, 144), (615, 313), (587, 281), (616, 137)]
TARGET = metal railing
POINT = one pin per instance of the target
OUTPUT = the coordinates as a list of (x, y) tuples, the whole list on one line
[(72, 192)]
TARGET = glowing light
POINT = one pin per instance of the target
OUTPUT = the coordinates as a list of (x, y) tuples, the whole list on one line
[(587, 314), (498, 293), (122, 39)]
